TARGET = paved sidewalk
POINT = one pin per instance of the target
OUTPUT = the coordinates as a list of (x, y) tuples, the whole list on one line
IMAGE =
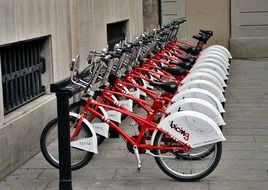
[(244, 163)]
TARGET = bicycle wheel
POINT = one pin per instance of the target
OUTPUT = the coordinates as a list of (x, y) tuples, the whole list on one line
[(183, 169), (49, 145)]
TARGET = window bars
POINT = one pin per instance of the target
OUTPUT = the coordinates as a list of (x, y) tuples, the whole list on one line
[(21, 66)]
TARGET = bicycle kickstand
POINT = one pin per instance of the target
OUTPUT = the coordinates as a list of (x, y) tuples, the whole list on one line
[(136, 152)]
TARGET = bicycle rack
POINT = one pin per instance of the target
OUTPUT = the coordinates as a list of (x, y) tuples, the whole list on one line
[(64, 91)]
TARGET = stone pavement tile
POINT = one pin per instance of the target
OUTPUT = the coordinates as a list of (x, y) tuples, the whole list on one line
[(260, 155), (258, 108), (145, 173), (128, 162), (246, 106), (237, 155), (23, 184), (118, 184), (246, 122), (39, 156), (246, 132), (245, 155), (114, 153), (237, 164), (237, 112), (253, 98), (240, 139), (238, 175), (237, 185), (245, 146), (261, 139), (37, 163), (114, 163), (25, 173), (84, 173)]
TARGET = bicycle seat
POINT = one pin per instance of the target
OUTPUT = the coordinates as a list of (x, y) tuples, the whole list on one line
[(201, 38), (177, 71), (207, 32), (170, 87), (175, 62), (187, 59), (186, 65), (189, 50)]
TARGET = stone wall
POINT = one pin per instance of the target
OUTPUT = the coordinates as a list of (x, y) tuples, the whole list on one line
[(209, 14), (150, 14), (249, 28)]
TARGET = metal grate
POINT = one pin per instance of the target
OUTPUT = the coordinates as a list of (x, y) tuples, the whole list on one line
[(21, 66), (115, 33)]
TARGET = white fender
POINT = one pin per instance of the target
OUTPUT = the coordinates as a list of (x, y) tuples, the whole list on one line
[(215, 57), (220, 51), (192, 128), (214, 61), (88, 144), (203, 76), (215, 52), (211, 66), (203, 84), (223, 57), (201, 94), (227, 52), (198, 105), (212, 72)]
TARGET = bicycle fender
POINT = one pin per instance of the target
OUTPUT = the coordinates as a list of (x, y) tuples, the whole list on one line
[(226, 51), (88, 144), (214, 61), (203, 76), (215, 57), (203, 84), (212, 66), (198, 105), (212, 72), (218, 50), (192, 128), (200, 94), (217, 53)]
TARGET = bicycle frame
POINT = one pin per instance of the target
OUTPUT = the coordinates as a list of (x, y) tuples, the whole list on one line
[(145, 123)]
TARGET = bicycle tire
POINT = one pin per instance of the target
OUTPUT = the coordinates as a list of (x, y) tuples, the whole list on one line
[(53, 160), (195, 175)]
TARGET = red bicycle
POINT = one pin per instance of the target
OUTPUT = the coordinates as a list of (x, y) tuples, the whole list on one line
[(176, 146)]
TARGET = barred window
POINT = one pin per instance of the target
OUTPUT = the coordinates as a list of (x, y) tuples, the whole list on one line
[(116, 32), (21, 66)]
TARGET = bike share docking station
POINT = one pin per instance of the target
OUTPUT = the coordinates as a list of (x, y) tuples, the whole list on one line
[(64, 90), (184, 127)]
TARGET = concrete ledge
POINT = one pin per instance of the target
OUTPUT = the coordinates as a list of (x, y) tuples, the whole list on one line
[(249, 47), (19, 137)]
